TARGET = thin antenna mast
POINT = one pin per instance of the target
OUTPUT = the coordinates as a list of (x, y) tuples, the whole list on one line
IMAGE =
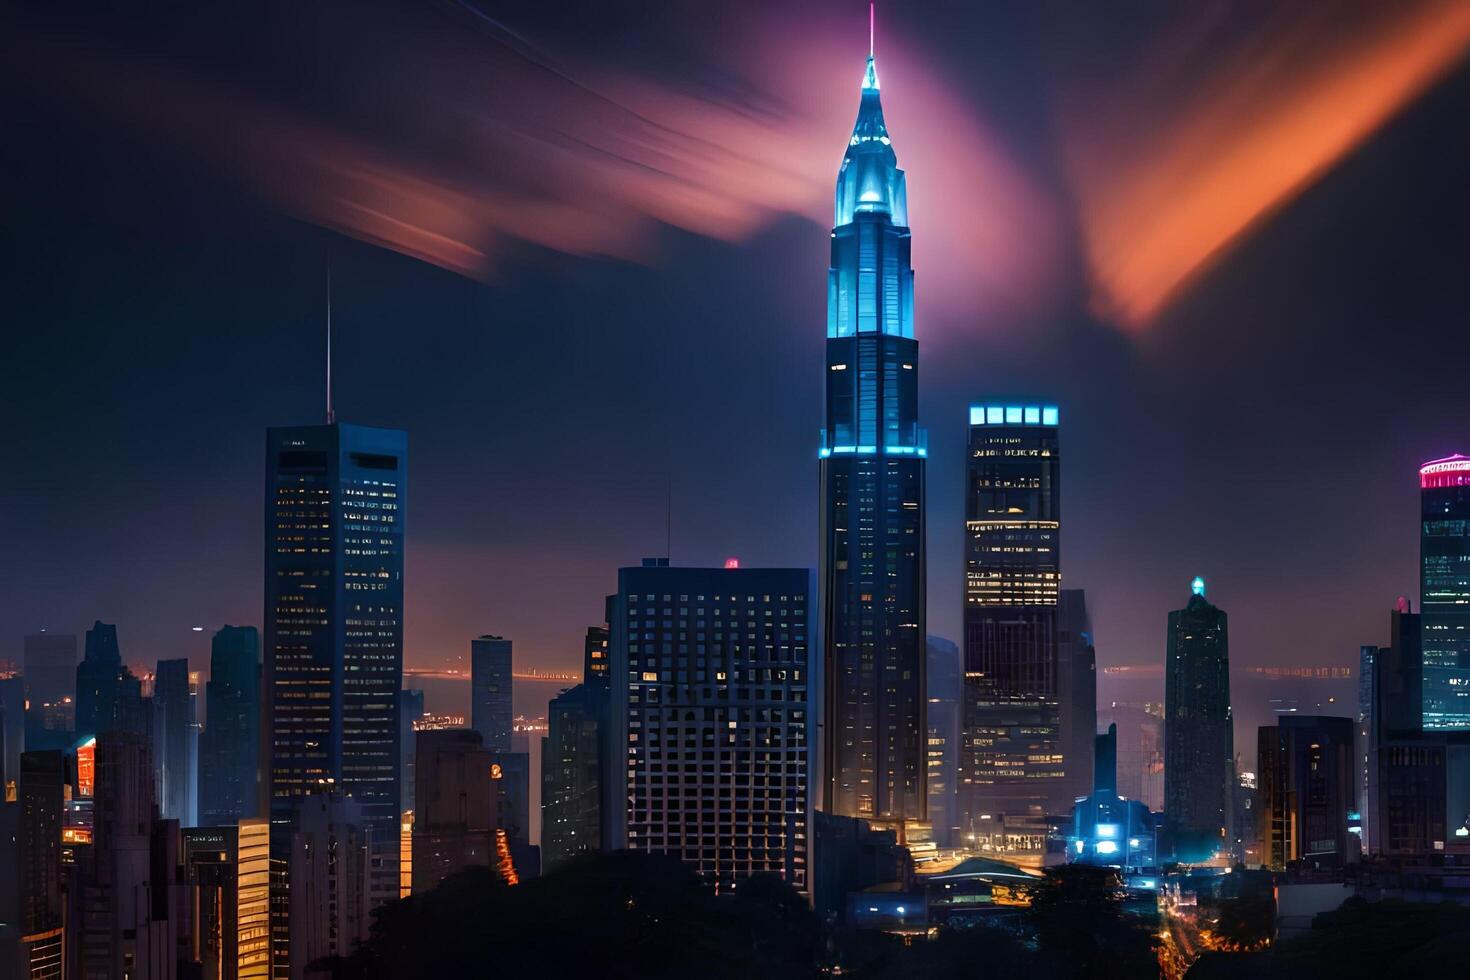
[(871, 5), (331, 415)]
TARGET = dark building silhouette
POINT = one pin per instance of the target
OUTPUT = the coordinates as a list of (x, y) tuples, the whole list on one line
[(1077, 693), (12, 727), (1444, 591), (109, 695), (327, 905), (456, 815), (492, 713), (410, 710), (1394, 714), (40, 791), (872, 496), (1107, 829), (1012, 769), (945, 687), (229, 748), (334, 545), (50, 671), (574, 760), (1306, 780), (711, 720), (176, 742), (1199, 738), (1140, 742)]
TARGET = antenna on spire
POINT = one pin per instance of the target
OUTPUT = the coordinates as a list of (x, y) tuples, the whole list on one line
[(331, 415), (871, 5)]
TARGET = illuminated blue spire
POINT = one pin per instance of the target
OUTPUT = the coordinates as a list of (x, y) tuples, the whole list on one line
[(1197, 586), (870, 179)]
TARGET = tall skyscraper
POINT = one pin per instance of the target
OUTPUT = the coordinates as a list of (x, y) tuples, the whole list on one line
[(334, 539), (109, 695), (492, 713), (1199, 736), (455, 819), (1306, 780), (872, 493), (229, 749), (711, 720), (1013, 771), (39, 793), (943, 721), (1077, 694), (1444, 591), (176, 743)]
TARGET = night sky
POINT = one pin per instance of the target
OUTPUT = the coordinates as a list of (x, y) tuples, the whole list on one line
[(579, 254)]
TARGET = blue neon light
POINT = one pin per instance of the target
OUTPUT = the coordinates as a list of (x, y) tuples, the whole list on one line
[(1014, 415)]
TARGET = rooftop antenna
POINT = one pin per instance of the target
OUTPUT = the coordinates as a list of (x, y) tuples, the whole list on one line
[(872, 4), (331, 415)]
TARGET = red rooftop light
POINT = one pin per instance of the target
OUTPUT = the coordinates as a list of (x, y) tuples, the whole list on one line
[(1452, 471), (732, 562)]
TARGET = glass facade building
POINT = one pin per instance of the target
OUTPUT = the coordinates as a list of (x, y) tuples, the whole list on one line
[(334, 537), (1012, 761), (492, 713), (229, 749), (711, 720), (872, 461), (176, 742), (1199, 733), (1444, 591)]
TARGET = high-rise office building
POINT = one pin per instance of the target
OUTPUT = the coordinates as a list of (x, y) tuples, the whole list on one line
[(1077, 693), (1366, 656), (711, 720), (1199, 736), (872, 496), (50, 672), (943, 721), (1012, 766), (228, 870), (176, 743), (109, 695), (455, 816), (1306, 781), (334, 543), (229, 749), (1444, 591), (39, 793), (492, 713), (594, 653)]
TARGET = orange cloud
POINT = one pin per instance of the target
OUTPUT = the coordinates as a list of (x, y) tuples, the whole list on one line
[(1179, 160)]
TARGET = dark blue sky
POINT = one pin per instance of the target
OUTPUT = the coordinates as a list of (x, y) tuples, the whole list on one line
[(159, 312)]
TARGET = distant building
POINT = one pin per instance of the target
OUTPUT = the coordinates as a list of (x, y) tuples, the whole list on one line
[(1444, 591), (1140, 728), (109, 695), (945, 683), (1013, 771), (229, 748), (850, 856), (176, 742), (1366, 656), (1394, 718), (1306, 781), (1199, 738), (12, 727), (871, 473), (492, 712), (455, 815), (711, 716), (574, 761), (49, 666), (1077, 692), (333, 638)]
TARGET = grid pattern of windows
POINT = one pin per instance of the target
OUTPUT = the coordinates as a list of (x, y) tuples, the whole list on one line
[(715, 719)]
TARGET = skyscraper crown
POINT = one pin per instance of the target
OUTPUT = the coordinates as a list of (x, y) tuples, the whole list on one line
[(870, 179)]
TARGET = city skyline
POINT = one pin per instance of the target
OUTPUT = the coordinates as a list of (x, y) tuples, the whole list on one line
[(709, 638)]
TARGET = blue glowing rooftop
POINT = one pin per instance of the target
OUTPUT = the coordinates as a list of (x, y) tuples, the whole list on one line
[(1014, 415)]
